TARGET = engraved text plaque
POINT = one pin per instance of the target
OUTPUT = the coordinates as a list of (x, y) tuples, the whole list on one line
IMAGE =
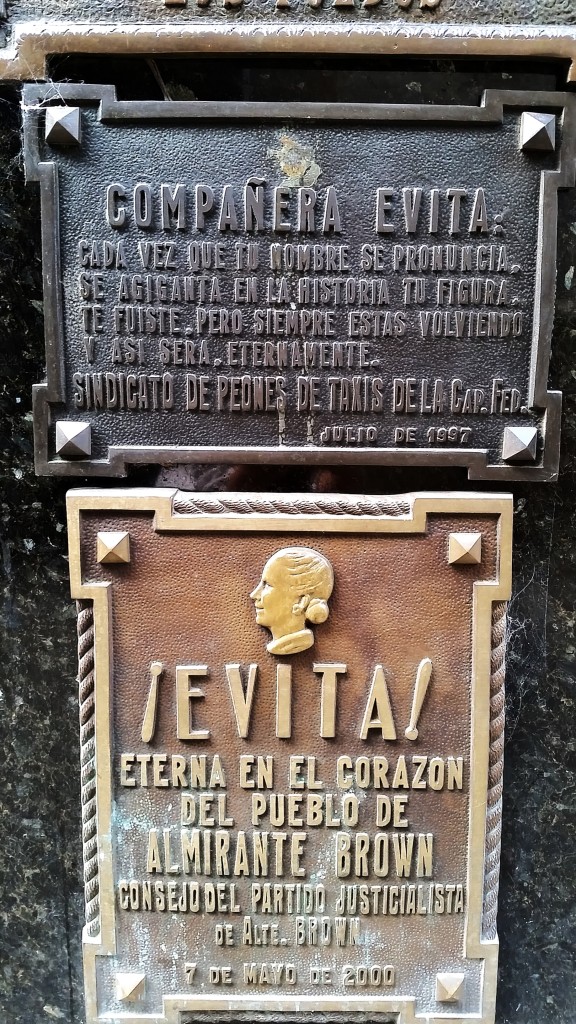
[(292, 735), (303, 282)]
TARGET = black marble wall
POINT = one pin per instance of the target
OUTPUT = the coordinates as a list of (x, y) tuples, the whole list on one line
[(40, 850)]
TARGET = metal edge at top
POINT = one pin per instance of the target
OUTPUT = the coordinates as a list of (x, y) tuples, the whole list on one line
[(31, 43), (490, 109)]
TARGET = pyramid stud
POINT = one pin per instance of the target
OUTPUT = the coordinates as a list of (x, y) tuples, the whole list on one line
[(73, 439), (464, 549), (449, 988), (130, 987), (519, 444), (113, 548), (63, 126), (538, 131)]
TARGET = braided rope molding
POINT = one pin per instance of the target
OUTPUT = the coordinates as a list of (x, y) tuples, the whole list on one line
[(495, 771), (85, 628), (186, 504)]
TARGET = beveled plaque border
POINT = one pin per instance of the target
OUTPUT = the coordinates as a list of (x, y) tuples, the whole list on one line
[(407, 514), (490, 110)]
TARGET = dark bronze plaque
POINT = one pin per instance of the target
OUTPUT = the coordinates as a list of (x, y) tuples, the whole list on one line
[(292, 735), (298, 283)]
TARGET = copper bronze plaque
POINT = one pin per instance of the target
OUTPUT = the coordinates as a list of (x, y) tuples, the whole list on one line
[(292, 736), (298, 283)]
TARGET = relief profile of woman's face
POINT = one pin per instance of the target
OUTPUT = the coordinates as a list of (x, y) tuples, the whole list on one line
[(294, 589)]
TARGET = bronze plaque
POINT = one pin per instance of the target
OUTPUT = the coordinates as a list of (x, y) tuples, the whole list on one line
[(298, 283), (292, 736)]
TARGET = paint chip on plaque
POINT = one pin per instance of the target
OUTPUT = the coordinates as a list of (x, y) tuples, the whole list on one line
[(465, 548), (63, 126), (449, 988), (113, 547), (519, 444), (538, 131), (73, 439), (130, 987)]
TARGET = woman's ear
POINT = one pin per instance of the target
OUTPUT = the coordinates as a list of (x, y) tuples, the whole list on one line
[(301, 605)]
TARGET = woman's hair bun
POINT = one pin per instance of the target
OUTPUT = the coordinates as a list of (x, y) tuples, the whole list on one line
[(317, 611)]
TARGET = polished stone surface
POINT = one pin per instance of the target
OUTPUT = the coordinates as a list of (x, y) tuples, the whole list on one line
[(40, 849)]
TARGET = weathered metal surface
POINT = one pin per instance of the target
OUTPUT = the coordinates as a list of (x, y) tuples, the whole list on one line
[(410, 12), (298, 282), (292, 726), (31, 43)]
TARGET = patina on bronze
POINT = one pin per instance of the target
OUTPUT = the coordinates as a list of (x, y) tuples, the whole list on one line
[(292, 735), (307, 282)]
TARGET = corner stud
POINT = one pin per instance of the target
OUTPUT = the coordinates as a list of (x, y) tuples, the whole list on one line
[(113, 548), (130, 987), (63, 126), (464, 549), (519, 444), (538, 132), (449, 988), (73, 439)]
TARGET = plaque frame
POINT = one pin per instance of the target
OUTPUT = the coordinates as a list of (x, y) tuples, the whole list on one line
[(490, 110), (405, 514), (33, 42)]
